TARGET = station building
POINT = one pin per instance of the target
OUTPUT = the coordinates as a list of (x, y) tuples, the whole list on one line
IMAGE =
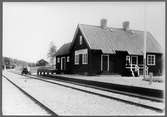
[(107, 50)]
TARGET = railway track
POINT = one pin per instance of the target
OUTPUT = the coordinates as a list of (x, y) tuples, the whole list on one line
[(49, 111), (61, 83)]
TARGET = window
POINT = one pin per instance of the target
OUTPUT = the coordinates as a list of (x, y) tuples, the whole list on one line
[(58, 60), (127, 59), (84, 58), (150, 59), (68, 59), (84, 54), (77, 59), (80, 40)]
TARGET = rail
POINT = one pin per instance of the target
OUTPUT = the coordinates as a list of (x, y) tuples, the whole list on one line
[(32, 98), (98, 88)]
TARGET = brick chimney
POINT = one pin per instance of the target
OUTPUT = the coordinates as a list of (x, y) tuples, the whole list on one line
[(104, 23), (125, 25)]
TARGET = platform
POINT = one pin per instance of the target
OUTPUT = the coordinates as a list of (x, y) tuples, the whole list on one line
[(117, 79)]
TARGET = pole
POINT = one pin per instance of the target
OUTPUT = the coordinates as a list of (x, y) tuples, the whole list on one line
[(4, 67), (145, 41)]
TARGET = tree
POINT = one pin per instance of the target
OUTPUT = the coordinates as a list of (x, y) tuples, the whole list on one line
[(51, 53), (7, 61)]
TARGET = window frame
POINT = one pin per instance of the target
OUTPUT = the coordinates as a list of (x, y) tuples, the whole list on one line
[(128, 58), (80, 40), (79, 53), (152, 59), (76, 59), (85, 58), (58, 60), (68, 59)]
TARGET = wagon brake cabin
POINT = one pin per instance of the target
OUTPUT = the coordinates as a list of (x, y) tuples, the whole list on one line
[(106, 50)]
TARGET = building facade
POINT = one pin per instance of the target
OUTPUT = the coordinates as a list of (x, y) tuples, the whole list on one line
[(105, 50)]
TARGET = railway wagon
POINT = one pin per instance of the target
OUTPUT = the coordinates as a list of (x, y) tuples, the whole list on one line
[(45, 71)]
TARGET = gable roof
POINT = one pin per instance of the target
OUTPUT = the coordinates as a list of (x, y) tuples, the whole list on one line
[(111, 40), (64, 50)]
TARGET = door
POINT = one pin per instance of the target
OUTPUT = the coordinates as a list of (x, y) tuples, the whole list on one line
[(63, 63), (134, 60), (105, 60)]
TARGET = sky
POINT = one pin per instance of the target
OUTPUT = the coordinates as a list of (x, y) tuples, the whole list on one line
[(30, 27)]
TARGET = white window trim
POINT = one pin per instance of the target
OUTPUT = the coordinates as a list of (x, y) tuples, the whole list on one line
[(84, 58), (58, 60), (77, 53), (153, 59), (80, 40), (75, 59), (68, 59), (81, 51), (108, 64), (128, 58)]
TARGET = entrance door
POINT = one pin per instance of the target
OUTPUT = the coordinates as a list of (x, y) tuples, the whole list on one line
[(134, 60), (105, 62), (63, 63)]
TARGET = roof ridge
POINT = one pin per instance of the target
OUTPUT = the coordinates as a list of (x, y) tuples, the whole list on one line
[(89, 25), (119, 28)]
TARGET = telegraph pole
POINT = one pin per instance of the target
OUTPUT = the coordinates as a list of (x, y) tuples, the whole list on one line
[(145, 44)]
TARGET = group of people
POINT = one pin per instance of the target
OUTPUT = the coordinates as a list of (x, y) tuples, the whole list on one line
[(26, 70), (134, 69)]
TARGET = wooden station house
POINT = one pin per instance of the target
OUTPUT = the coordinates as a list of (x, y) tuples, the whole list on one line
[(106, 50)]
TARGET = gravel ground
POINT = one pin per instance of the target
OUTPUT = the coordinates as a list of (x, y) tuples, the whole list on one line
[(116, 95), (14, 102), (66, 101)]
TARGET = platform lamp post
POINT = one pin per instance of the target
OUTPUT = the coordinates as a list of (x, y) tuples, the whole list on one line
[(145, 44)]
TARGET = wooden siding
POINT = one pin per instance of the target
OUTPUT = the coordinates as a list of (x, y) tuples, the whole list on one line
[(67, 64), (157, 68), (95, 61), (80, 68)]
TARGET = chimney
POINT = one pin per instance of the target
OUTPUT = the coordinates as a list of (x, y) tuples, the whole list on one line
[(125, 25), (104, 23)]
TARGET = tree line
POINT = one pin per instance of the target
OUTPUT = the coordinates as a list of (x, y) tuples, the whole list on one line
[(9, 62)]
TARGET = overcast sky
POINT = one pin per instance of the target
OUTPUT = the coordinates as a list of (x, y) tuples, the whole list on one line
[(28, 28)]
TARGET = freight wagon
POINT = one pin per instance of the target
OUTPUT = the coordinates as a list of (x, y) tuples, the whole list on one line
[(45, 71)]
